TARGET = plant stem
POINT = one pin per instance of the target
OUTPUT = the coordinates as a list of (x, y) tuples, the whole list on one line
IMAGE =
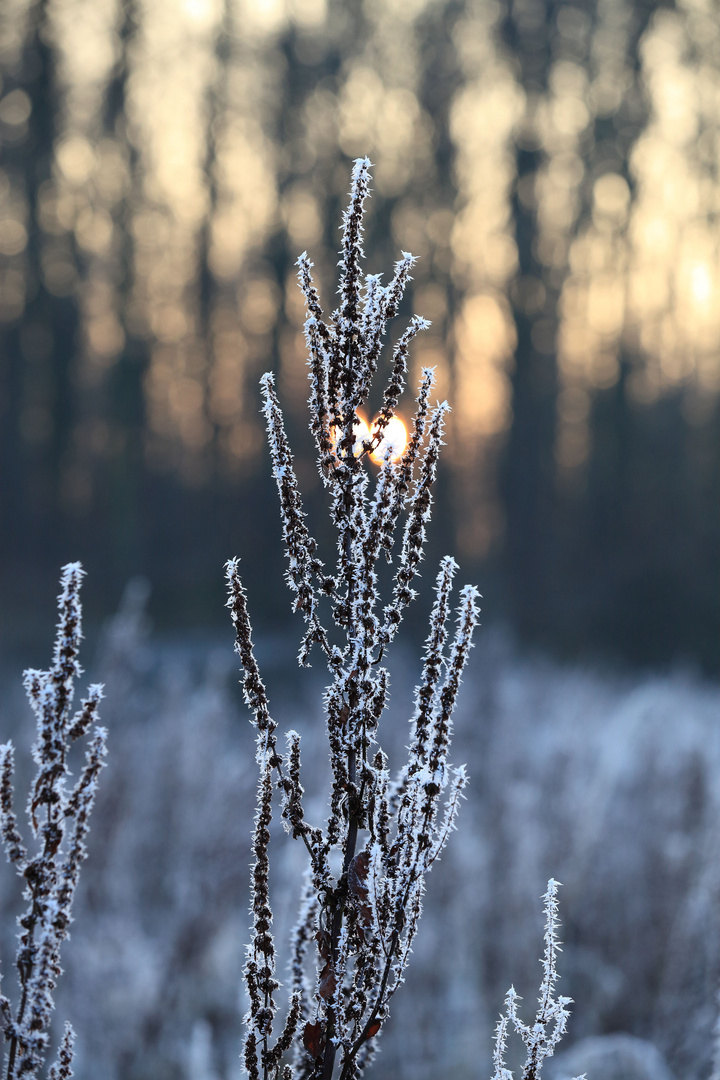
[(350, 844)]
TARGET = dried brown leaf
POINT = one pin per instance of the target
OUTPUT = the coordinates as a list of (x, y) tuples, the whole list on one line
[(328, 982), (314, 1039)]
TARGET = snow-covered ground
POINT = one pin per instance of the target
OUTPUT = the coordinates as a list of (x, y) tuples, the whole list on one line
[(609, 783)]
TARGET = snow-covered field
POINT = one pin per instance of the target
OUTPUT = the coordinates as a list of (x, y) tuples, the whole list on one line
[(609, 783)]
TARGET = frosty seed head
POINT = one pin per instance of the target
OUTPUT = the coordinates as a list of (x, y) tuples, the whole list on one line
[(360, 922)]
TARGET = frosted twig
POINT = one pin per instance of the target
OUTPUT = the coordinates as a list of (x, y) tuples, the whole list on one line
[(362, 918), (59, 821), (552, 1015)]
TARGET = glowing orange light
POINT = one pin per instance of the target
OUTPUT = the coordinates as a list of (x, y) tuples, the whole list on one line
[(701, 283), (394, 440), (361, 431)]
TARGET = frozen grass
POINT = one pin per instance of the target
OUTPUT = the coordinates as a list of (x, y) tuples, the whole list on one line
[(611, 784)]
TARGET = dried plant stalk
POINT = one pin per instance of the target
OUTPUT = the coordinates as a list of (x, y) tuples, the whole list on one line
[(59, 820), (359, 923), (551, 1018)]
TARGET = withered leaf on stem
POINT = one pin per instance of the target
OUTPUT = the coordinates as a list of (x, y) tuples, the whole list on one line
[(323, 939), (314, 1039), (357, 884), (328, 982), (357, 875)]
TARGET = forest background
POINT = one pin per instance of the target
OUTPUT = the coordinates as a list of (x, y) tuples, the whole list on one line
[(555, 167)]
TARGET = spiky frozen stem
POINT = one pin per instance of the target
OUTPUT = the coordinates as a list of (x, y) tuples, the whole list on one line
[(59, 821), (62, 1069), (551, 1018), (362, 919)]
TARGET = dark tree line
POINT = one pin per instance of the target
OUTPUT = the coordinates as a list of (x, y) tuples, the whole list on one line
[(622, 557)]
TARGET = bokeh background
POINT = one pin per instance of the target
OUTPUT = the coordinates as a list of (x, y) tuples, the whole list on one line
[(555, 167)]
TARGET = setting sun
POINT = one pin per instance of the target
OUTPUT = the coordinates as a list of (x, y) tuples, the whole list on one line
[(394, 440), (701, 283), (361, 432)]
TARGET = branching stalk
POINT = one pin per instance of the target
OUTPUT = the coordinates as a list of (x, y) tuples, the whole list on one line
[(362, 919), (59, 821)]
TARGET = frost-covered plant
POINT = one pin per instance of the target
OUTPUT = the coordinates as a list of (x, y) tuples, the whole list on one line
[(59, 820), (551, 1018), (367, 865)]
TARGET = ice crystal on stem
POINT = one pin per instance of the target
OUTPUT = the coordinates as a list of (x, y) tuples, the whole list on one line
[(59, 820), (354, 935), (551, 1018)]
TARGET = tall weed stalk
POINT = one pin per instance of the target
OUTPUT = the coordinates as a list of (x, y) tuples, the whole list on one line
[(367, 863), (59, 822)]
